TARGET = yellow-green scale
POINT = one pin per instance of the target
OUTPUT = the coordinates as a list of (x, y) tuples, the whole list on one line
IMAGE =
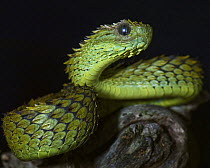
[(172, 77), (51, 124)]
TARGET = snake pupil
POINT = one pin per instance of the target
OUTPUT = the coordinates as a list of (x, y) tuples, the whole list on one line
[(124, 29)]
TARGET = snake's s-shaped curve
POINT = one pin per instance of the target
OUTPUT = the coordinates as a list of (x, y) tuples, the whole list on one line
[(60, 122)]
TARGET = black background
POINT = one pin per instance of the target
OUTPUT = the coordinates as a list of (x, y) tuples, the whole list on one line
[(36, 36)]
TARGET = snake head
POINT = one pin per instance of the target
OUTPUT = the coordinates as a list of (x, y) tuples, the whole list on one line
[(126, 36), (108, 44)]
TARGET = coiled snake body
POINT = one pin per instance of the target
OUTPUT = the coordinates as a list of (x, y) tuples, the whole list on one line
[(60, 122)]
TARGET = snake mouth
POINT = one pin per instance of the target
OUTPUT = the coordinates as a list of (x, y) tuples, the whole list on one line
[(129, 57)]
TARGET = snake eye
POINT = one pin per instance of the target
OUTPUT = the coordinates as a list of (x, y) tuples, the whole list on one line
[(124, 29)]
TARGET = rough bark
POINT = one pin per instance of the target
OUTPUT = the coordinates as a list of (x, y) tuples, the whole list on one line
[(139, 136)]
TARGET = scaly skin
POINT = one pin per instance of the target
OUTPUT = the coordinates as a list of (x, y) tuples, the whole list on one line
[(60, 122), (51, 124)]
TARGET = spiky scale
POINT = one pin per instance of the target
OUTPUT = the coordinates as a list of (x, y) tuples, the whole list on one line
[(49, 130)]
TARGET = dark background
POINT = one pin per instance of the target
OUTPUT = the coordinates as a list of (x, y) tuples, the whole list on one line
[(35, 38)]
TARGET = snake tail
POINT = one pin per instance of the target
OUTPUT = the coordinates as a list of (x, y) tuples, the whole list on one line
[(52, 124)]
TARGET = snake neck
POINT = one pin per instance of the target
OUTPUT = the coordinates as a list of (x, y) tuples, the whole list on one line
[(87, 71)]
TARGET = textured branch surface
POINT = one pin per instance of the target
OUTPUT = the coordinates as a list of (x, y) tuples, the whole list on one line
[(137, 136)]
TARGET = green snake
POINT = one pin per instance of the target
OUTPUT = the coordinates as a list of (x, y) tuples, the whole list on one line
[(63, 121)]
